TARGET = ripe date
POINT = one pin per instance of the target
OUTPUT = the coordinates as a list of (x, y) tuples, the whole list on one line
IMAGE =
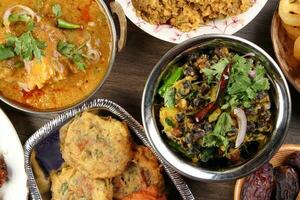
[(286, 183), (259, 185)]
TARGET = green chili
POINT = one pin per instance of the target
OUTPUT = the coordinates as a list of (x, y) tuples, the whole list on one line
[(67, 25), (175, 75)]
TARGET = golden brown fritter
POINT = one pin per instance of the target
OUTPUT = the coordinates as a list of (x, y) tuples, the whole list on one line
[(71, 184), (97, 146), (142, 172)]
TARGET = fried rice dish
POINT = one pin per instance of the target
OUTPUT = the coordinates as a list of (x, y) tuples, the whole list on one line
[(188, 15)]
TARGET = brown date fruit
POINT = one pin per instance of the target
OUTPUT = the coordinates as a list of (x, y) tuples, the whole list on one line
[(259, 185), (294, 161), (286, 183)]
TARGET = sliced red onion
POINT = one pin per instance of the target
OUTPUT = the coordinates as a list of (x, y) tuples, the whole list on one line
[(250, 54), (252, 73), (242, 123), (24, 10)]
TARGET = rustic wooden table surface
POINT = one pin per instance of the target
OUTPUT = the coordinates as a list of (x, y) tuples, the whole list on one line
[(126, 82)]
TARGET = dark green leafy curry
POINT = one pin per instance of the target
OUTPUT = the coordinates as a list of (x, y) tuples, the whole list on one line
[(215, 108)]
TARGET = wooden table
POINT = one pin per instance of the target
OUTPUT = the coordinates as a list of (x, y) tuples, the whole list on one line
[(126, 82)]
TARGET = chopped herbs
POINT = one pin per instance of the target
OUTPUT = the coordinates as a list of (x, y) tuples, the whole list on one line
[(215, 70), (56, 9), (64, 188), (26, 46), (73, 53), (6, 53)]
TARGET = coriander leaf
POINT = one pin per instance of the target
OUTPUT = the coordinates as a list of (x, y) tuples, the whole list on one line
[(207, 154), (215, 140), (66, 49), (78, 61), (56, 9), (70, 51), (26, 46), (6, 53), (215, 70), (169, 98), (223, 125)]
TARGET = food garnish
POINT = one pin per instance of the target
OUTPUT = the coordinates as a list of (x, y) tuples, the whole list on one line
[(214, 106), (72, 52), (67, 25)]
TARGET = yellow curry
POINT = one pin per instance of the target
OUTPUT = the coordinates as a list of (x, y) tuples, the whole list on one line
[(53, 53)]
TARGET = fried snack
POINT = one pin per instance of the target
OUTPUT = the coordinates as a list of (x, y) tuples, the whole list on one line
[(188, 15), (71, 184), (143, 171), (97, 146), (3, 171), (297, 48), (289, 12), (292, 31), (150, 193)]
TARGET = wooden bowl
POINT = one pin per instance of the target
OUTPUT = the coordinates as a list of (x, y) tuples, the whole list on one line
[(278, 159), (283, 47)]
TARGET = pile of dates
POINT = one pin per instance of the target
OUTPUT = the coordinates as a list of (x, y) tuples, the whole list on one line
[(279, 183)]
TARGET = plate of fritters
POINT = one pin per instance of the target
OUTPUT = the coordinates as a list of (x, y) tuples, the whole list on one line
[(177, 21), (12, 171), (98, 152)]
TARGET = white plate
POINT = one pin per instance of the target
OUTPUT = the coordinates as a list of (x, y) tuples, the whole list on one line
[(167, 33), (11, 148)]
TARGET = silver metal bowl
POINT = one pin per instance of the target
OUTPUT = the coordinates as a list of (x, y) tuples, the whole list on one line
[(117, 44), (280, 96)]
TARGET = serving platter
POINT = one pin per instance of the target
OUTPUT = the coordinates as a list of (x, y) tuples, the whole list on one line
[(11, 148), (45, 144), (229, 25)]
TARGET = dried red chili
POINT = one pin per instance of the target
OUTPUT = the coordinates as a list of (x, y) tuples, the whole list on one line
[(201, 114)]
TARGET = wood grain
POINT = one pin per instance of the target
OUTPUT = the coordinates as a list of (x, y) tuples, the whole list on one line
[(126, 82)]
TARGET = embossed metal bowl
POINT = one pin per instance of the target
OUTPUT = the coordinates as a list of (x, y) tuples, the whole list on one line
[(45, 144), (280, 96)]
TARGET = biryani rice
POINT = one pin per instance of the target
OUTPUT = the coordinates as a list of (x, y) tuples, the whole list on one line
[(187, 15)]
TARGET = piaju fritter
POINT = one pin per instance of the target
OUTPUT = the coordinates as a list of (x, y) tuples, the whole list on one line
[(215, 106)]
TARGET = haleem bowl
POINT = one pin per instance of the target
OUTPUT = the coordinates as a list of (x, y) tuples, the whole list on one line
[(56, 54), (216, 108)]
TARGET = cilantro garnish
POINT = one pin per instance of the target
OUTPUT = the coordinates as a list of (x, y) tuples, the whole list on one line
[(73, 53), (56, 9), (26, 46)]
